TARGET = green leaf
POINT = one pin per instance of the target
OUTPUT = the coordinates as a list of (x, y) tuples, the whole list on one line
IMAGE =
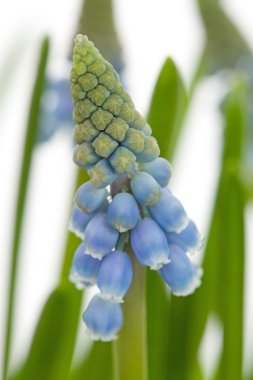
[(215, 295), (30, 141), (63, 309), (51, 350), (167, 108), (97, 365)]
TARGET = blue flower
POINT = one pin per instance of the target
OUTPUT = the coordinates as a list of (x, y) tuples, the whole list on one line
[(103, 319), (78, 222), (100, 237), (160, 169), (169, 213), (189, 239), (145, 188), (181, 275), (85, 268), (149, 244), (123, 212), (56, 108), (89, 198), (115, 276)]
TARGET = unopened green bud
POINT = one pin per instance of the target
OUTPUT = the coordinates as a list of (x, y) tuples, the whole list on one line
[(84, 132), (134, 140), (97, 67), (104, 145), (88, 81), (122, 160), (117, 129), (84, 155), (101, 119), (98, 95), (83, 110), (151, 150), (102, 174), (113, 104)]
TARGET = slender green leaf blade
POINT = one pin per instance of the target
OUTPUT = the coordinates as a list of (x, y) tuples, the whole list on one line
[(167, 108), (96, 365), (165, 116), (30, 141)]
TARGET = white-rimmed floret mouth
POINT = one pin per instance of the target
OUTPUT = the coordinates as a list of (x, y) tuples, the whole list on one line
[(75, 231), (92, 253), (101, 337), (160, 263), (110, 297), (81, 282), (192, 286), (182, 226)]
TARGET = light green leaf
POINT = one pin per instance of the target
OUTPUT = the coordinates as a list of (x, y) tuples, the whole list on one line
[(97, 365), (167, 108), (165, 116), (30, 141)]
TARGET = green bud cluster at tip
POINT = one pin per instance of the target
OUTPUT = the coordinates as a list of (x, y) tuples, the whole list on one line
[(110, 133)]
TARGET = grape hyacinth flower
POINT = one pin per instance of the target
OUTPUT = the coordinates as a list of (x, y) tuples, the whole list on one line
[(90, 199), (145, 188), (160, 169), (123, 212), (188, 239), (78, 222), (100, 237), (181, 275), (85, 268), (150, 244), (127, 197), (103, 319), (115, 276)]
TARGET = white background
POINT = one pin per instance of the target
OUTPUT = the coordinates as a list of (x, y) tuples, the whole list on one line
[(149, 31)]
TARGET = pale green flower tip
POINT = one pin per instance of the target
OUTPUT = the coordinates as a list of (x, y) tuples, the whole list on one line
[(138, 121), (147, 130), (117, 129), (134, 140), (102, 174), (113, 104), (101, 119), (97, 67), (104, 145), (83, 110), (127, 111), (84, 132), (107, 79), (98, 95), (77, 92), (88, 81), (84, 155), (150, 152), (122, 160)]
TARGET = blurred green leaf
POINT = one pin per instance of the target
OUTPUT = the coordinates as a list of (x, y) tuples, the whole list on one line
[(52, 347), (63, 309), (9, 65), (225, 45), (97, 365), (215, 294), (30, 141), (167, 108)]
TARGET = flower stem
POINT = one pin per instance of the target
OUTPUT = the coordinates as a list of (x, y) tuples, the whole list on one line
[(130, 350)]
